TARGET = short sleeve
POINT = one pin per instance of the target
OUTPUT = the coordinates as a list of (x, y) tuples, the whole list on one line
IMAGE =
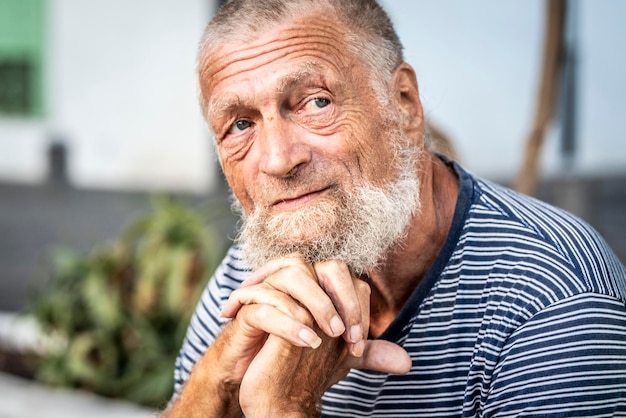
[(568, 360)]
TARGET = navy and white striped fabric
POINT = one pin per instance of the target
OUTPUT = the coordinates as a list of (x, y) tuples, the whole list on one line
[(522, 314)]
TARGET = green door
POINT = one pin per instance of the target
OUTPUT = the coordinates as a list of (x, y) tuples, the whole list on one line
[(21, 58)]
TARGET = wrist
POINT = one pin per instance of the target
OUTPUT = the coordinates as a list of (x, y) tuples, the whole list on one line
[(283, 414), (207, 393), (271, 409)]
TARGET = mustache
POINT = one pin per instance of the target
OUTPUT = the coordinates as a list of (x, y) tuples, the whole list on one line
[(301, 182)]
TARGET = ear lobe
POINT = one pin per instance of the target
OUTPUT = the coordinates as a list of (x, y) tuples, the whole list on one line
[(407, 96)]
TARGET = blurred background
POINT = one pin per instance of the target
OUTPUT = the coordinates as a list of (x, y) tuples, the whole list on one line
[(98, 115)]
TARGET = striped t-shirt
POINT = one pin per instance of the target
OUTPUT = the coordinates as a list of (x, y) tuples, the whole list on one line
[(522, 314)]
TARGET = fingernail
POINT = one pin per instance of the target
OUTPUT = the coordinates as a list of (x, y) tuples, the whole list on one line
[(309, 338), (356, 333), (336, 326), (358, 348)]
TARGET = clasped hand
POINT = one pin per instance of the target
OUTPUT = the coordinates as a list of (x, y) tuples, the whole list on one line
[(303, 327)]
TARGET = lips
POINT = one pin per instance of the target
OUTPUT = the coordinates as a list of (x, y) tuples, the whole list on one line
[(293, 202)]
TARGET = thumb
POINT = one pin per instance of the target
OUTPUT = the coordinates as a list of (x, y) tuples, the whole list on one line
[(383, 356)]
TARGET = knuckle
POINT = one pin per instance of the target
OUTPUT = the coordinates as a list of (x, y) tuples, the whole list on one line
[(262, 312), (302, 315), (235, 294), (325, 272), (286, 277), (362, 287)]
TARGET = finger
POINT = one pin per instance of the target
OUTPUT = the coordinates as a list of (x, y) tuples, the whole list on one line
[(336, 280), (260, 294), (383, 356), (232, 306), (272, 293), (259, 276), (294, 278), (303, 287), (363, 292), (267, 318), (272, 267)]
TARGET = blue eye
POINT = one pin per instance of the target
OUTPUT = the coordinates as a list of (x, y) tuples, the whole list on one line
[(321, 102), (239, 126)]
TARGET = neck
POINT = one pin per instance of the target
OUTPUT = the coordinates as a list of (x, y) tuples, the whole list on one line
[(403, 269)]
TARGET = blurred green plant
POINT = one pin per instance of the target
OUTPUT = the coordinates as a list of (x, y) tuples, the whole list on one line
[(121, 312)]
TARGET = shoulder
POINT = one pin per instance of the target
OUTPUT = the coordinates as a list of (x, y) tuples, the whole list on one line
[(568, 357), (533, 239)]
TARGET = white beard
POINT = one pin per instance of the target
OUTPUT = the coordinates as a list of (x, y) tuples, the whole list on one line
[(358, 228)]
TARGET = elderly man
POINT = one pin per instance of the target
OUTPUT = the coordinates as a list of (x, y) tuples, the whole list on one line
[(372, 277)]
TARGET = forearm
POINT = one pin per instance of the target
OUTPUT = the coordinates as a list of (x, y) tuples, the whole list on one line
[(282, 405), (199, 398), (290, 411), (289, 381), (212, 389)]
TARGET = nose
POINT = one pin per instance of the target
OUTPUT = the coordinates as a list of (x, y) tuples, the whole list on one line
[(282, 147)]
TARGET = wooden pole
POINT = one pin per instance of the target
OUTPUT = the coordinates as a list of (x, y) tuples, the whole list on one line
[(546, 96)]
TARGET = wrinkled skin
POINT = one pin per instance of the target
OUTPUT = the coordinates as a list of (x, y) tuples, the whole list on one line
[(295, 100)]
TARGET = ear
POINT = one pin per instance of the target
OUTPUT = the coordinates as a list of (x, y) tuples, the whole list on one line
[(406, 98)]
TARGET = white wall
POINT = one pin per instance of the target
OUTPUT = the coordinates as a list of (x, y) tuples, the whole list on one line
[(121, 91), (478, 66)]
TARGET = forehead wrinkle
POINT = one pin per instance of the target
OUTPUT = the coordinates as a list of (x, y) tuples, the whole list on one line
[(217, 64), (293, 79), (286, 42), (306, 70)]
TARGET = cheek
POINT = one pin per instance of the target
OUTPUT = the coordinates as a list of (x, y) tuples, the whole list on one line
[(236, 178), (370, 145)]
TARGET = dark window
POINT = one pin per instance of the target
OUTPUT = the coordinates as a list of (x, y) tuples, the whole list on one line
[(16, 89)]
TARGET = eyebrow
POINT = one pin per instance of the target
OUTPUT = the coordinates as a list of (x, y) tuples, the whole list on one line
[(220, 106), (291, 80)]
